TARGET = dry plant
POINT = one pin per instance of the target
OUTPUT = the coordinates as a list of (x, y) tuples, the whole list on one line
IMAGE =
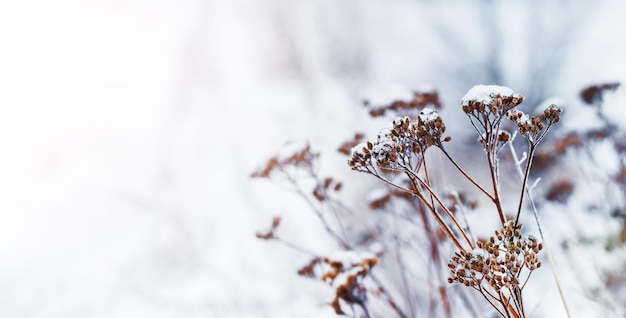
[(497, 267), (585, 173), (580, 143)]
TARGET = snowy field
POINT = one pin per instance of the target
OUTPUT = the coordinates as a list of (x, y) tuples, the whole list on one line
[(129, 130)]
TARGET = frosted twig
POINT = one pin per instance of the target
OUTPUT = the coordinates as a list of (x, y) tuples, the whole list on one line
[(536, 215)]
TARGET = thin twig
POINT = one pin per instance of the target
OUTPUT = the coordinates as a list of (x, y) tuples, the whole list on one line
[(435, 255), (506, 305), (482, 292), (529, 161), (432, 201), (443, 206), (493, 166), (442, 290), (467, 176), (536, 215), (438, 218), (342, 241), (365, 311), (383, 179), (461, 208), (294, 246)]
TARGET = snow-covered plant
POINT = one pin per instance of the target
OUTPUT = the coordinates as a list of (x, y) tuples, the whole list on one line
[(494, 268), (403, 149), (583, 173), (497, 267)]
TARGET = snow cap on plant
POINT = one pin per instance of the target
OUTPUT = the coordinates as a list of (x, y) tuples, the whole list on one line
[(493, 99), (486, 106)]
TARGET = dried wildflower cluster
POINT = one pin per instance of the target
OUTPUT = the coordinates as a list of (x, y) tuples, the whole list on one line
[(486, 106), (494, 268), (594, 94), (301, 158), (271, 233), (321, 190), (498, 262), (346, 147), (351, 275), (498, 268), (495, 100), (401, 146), (578, 142), (536, 128)]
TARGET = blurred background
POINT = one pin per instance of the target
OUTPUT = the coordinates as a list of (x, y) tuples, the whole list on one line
[(129, 130)]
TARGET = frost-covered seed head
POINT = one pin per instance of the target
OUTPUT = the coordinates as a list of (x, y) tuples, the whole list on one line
[(499, 261), (494, 99), (534, 128)]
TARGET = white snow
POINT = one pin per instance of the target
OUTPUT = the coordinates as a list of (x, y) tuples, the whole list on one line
[(555, 100), (479, 252), (399, 120), (429, 115), (358, 149), (486, 93)]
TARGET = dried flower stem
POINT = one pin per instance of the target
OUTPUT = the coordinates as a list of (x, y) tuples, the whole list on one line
[(412, 177), (365, 311), (434, 248), (529, 161), (484, 293), (444, 227), (467, 176), (443, 207), (427, 177), (294, 246), (341, 240), (536, 215), (493, 167), (434, 253)]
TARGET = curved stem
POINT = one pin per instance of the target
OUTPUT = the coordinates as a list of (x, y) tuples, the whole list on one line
[(548, 254), (434, 254), (443, 206), (506, 305), (341, 240), (467, 176), (365, 311), (446, 229), (442, 224), (493, 166), (482, 292), (531, 152), (432, 202)]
